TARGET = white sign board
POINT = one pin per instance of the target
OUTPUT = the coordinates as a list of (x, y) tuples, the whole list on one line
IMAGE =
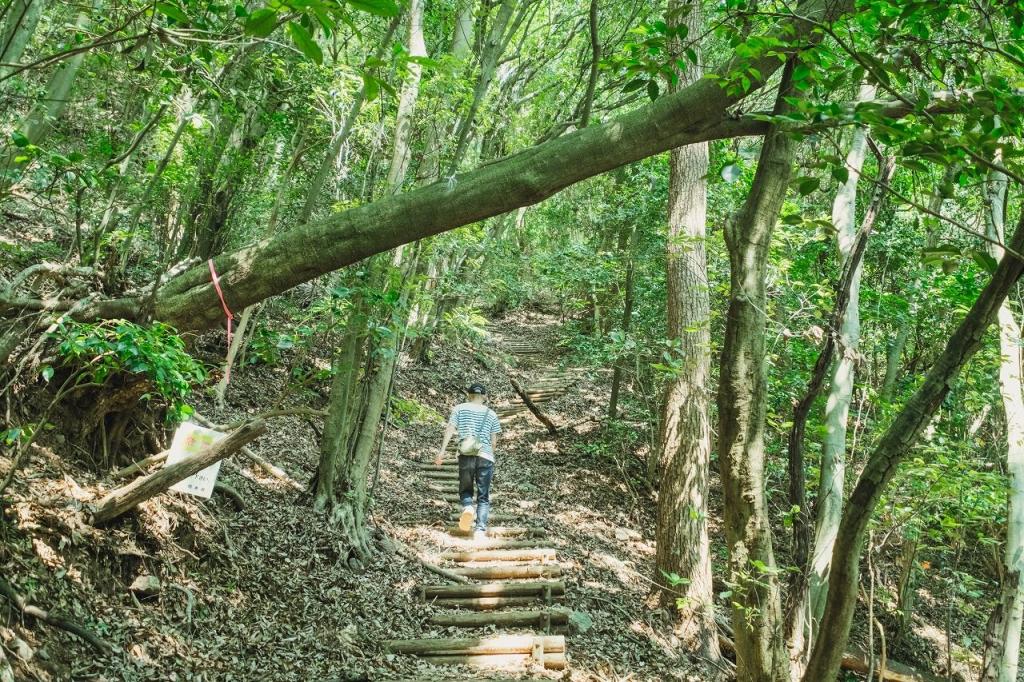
[(189, 439)]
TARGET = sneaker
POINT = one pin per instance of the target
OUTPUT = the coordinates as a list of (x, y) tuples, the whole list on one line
[(467, 518), (479, 535)]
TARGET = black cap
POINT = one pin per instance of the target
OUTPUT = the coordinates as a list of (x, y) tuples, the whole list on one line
[(477, 389)]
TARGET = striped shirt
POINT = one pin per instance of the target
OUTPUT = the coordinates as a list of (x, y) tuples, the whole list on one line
[(476, 419)]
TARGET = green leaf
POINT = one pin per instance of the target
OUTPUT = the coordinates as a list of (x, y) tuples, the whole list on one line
[(305, 42), (807, 185), (985, 261), (652, 89), (792, 219), (19, 139), (261, 23), (841, 174), (241, 12), (382, 8), (171, 11), (46, 373), (634, 84)]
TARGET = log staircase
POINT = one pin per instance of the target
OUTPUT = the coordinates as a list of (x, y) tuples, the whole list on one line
[(513, 577)]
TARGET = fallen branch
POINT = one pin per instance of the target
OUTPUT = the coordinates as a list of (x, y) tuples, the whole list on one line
[(552, 429), (140, 466), (267, 465), (396, 546), (49, 618), (121, 500)]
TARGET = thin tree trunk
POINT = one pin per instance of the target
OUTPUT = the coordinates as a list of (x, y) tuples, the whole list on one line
[(19, 27), (595, 61), (892, 449), (314, 195), (757, 609), (39, 122), (807, 599), (683, 547), (1002, 651), (627, 319)]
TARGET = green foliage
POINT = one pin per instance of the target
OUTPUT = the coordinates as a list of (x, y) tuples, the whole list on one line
[(102, 351)]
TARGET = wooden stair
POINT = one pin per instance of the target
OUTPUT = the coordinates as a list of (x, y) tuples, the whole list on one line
[(515, 574)]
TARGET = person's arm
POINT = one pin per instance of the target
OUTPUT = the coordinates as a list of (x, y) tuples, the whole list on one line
[(449, 431)]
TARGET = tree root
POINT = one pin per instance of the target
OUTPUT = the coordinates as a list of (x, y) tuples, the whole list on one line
[(56, 621), (228, 491)]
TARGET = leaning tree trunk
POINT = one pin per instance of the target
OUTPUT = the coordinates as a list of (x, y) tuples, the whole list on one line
[(37, 124), (683, 547), (757, 609), (893, 447), (1002, 647), (22, 19), (809, 603), (267, 267)]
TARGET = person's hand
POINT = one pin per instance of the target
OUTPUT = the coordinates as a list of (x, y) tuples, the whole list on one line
[(437, 459)]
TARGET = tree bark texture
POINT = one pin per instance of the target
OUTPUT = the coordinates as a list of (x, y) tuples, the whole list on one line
[(891, 450), (683, 547), (761, 652), (22, 19), (1002, 649)]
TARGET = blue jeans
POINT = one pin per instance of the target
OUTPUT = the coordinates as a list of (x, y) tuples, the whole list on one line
[(478, 471)]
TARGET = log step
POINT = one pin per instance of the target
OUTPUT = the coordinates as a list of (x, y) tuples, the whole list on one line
[(554, 616), (554, 587), (497, 543), (500, 531), (494, 603), (445, 465), (441, 475), (554, 661), (502, 517), (467, 556), (498, 644), (510, 572)]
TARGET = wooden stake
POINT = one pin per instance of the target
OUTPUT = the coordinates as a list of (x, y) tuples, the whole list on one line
[(510, 572), (500, 644), (547, 553)]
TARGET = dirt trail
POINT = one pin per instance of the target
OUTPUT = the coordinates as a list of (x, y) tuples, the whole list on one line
[(514, 575)]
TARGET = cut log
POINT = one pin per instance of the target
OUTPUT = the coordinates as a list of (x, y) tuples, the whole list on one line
[(466, 556), (501, 531), (555, 616), (445, 465), (497, 543), (552, 429), (555, 661), (441, 475), (510, 572), (553, 587), (492, 603), (498, 644), (121, 500), (502, 517)]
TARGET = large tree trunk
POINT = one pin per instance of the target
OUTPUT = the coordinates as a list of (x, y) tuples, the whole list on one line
[(757, 609), (683, 547), (808, 603), (1002, 649), (892, 449)]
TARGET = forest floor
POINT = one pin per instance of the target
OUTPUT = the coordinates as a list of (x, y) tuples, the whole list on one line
[(265, 593)]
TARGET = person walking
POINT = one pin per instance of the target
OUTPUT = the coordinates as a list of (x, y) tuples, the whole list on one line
[(478, 428)]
